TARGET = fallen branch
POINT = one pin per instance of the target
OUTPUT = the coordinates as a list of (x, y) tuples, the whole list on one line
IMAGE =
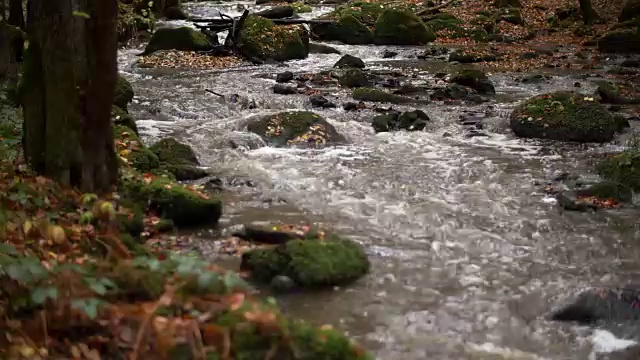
[(213, 92)]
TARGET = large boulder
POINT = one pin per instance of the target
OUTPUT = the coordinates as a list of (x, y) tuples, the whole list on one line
[(310, 262), (123, 93), (631, 10), (415, 120), (475, 79), (347, 29), (620, 41), (178, 159), (623, 167), (401, 27), (564, 116), (132, 151), (601, 304), (261, 39), (302, 128), (182, 38), (349, 61), (354, 78)]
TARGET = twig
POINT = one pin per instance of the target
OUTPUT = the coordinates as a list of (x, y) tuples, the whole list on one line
[(213, 92), (444, 4), (632, 77)]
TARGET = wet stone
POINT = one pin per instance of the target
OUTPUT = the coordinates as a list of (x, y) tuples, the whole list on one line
[(284, 77), (387, 54), (284, 89)]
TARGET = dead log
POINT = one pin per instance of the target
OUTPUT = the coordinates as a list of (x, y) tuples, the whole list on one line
[(234, 35)]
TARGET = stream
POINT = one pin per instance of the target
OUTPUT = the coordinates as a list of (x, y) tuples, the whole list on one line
[(468, 255)]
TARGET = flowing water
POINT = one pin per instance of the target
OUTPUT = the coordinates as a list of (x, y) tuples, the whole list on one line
[(468, 255)]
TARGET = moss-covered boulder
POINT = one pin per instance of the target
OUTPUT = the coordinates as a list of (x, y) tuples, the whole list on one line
[(620, 41), (401, 27), (300, 7), (310, 262), (349, 61), (465, 57), (261, 39), (623, 168), (606, 190), (184, 206), (132, 151), (178, 159), (450, 92), (353, 78), (182, 38), (123, 93), (415, 120), (121, 117), (377, 95), (631, 10), (564, 116), (366, 13), (347, 29), (475, 79), (298, 128)]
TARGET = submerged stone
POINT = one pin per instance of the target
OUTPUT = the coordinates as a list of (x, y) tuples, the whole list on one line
[(475, 79), (401, 27), (261, 39), (301, 128), (182, 38)]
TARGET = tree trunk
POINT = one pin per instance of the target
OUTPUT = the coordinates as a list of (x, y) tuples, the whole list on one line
[(3, 9), (16, 13), (588, 15), (69, 80)]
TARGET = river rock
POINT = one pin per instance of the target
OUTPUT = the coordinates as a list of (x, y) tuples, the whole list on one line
[(601, 304), (415, 120), (377, 95), (620, 41), (295, 128), (284, 77), (320, 101), (348, 30), (451, 91), (140, 157), (178, 159), (475, 79), (175, 13), (610, 93), (349, 61), (284, 89), (564, 116), (122, 117), (265, 234), (311, 262), (123, 93), (353, 78), (283, 43), (315, 48), (388, 54), (630, 11), (466, 58), (401, 27), (278, 12), (623, 168), (282, 283), (182, 38)]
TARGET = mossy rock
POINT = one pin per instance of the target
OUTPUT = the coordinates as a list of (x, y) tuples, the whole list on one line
[(348, 30), (309, 262), (401, 27), (620, 41), (121, 117), (631, 10), (261, 39), (466, 58), (437, 24), (170, 150), (608, 190), (415, 120), (139, 156), (354, 78), (132, 224), (365, 12), (123, 93), (182, 38), (183, 172), (300, 7), (173, 201), (623, 168), (610, 93), (563, 116), (377, 95), (475, 79), (512, 16), (298, 128)]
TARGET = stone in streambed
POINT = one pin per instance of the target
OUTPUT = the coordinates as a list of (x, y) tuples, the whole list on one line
[(178, 159), (349, 61), (601, 304), (123, 93), (563, 116), (182, 38), (475, 79), (415, 120), (299, 128), (282, 89), (264, 234), (320, 101), (353, 78), (623, 168), (284, 77), (348, 29), (401, 27), (122, 117), (377, 95), (283, 43)]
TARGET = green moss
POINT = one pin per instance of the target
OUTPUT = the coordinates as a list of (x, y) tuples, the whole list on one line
[(395, 27), (623, 168), (295, 128), (169, 150), (377, 95), (565, 116), (608, 190), (121, 117), (354, 78), (123, 93), (365, 12), (182, 38), (131, 224), (348, 30), (310, 262), (475, 79), (438, 24), (139, 157), (262, 39), (173, 201), (300, 8)]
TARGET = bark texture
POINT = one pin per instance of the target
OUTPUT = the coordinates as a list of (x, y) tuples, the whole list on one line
[(68, 90)]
